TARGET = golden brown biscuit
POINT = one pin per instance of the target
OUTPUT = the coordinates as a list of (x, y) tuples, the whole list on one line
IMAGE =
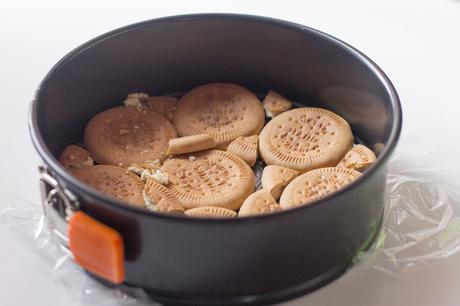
[(305, 138), (221, 110), (189, 144), (113, 181), (316, 184), (275, 104), (165, 105), (159, 199), (276, 178), (210, 212), (245, 148), (74, 157), (214, 178), (358, 158), (260, 202), (123, 135)]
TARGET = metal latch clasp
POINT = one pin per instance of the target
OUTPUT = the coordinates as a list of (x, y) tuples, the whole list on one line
[(58, 205)]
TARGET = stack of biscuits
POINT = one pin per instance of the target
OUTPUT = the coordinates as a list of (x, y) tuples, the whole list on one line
[(196, 155)]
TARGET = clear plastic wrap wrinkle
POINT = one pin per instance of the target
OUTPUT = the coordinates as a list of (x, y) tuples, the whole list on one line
[(422, 218), (421, 227)]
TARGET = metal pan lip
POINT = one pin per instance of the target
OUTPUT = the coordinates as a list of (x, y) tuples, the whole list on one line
[(82, 188)]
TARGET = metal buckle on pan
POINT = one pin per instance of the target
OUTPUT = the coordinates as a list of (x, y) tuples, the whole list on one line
[(58, 206)]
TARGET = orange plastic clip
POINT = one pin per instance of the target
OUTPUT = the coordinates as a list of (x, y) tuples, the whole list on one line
[(97, 247)]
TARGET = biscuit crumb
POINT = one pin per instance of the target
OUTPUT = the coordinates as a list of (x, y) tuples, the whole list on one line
[(148, 202), (136, 127), (123, 132), (135, 168), (158, 176), (191, 158), (161, 177), (137, 100), (148, 166), (146, 174), (153, 163)]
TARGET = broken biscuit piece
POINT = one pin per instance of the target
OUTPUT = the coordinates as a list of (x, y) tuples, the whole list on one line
[(245, 148), (189, 144), (274, 104), (276, 178), (358, 158), (75, 157), (260, 202)]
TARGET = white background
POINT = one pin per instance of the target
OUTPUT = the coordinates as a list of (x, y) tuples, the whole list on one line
[(417, 43)]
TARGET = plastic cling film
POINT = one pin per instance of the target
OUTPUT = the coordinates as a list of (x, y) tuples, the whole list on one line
[(421, 224), (421, 227)]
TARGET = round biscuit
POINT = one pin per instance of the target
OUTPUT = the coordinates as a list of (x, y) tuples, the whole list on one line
[(125, 135), (221, 110), (305, 138), (316, 184), (211, 178)]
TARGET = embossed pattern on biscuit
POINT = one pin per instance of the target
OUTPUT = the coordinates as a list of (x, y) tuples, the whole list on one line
[(223, 111), (358, 158), (165, 105), (123, 135), (210, 212), (113, 181), (276, 178), (213, 178), (245, 148), (74, 157), (260, 202), (316, 184), (305, 138), (160, 199)]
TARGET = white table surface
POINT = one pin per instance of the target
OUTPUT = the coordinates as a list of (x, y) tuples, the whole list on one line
[(417, 43)]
